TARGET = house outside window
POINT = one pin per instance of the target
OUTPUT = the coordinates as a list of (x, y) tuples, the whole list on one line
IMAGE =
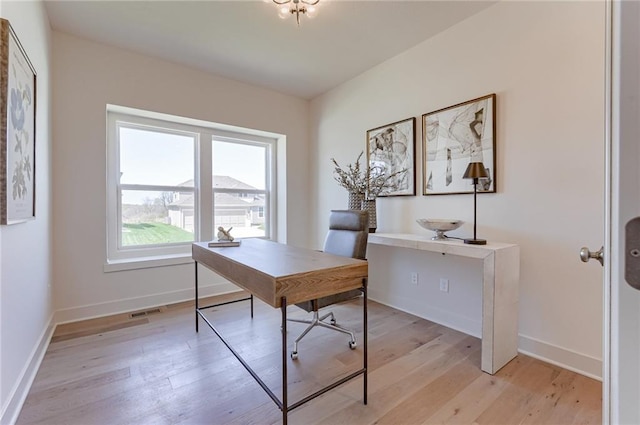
[(236, 204), (170, 183)]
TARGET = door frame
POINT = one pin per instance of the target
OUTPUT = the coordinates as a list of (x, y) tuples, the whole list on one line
[(621, 327), (608, 205)]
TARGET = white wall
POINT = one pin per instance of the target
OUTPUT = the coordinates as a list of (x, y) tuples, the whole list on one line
[(88, 76), (25, 249), (545, 62)]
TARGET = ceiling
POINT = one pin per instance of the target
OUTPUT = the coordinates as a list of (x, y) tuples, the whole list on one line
[(247, 41)]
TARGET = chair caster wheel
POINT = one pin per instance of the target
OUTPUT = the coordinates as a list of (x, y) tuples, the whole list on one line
[(352, 345), (333, 322), (294, 355)]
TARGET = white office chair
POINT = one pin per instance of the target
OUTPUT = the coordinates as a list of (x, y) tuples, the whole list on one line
[(347, 237)]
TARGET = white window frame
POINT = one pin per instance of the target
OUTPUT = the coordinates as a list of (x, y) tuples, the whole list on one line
[(124, 258)]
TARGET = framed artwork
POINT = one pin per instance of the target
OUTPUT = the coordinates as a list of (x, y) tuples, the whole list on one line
[(17, 129), (391, 149), (452, 138)]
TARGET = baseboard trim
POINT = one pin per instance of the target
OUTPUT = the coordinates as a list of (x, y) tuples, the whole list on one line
[(560, 356), (18, 395), (127, 305)]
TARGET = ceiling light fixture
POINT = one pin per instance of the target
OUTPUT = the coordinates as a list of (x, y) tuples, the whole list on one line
[(296, 7)]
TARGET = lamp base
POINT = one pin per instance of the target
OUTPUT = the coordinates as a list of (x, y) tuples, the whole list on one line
[(475, 241)]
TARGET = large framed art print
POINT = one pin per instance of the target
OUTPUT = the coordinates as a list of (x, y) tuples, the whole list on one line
[(17, 129), (391, 150), (453, 137)]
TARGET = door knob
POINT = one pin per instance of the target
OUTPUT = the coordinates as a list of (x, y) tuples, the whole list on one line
[(586, 255)]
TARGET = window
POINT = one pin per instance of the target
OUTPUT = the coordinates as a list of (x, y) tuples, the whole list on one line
[(240, 186), (156, 166), (172, 181)]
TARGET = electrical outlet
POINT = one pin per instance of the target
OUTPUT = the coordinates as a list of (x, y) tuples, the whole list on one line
[(414, 278), (444, 285)]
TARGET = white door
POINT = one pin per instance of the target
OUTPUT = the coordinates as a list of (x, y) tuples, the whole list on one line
[(621, 389)]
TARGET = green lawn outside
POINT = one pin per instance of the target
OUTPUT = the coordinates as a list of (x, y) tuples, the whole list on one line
[(153, 233)]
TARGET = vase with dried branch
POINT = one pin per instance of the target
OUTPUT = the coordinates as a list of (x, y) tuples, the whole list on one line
[(365, 184)]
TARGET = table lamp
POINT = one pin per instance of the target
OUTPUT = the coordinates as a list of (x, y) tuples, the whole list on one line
[(475, 171)]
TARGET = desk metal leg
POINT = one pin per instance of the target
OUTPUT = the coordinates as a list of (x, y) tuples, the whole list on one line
[(285, 403), (364, 313), (196, 310), (252, 306)]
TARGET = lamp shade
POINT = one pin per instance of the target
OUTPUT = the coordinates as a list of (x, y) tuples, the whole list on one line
[(475, 170)]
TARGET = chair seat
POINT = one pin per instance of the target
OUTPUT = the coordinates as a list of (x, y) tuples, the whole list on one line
[(331, 299)]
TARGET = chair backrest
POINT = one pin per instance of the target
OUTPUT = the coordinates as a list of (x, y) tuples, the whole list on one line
[(348, 233)]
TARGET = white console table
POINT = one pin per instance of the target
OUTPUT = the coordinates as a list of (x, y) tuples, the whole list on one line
[(500, 282)]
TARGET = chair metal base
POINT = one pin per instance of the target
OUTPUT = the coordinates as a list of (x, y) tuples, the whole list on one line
[(318, 320)]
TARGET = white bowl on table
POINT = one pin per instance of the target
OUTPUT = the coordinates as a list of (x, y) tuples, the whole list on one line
[(440, 226)]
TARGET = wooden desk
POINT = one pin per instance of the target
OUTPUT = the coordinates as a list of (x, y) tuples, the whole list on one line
[(280, 275), (500, 287)]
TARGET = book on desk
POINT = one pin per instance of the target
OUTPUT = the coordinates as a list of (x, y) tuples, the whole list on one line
[(221, 244)]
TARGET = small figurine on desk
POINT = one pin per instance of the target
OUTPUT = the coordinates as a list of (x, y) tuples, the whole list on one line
[(225, 235)]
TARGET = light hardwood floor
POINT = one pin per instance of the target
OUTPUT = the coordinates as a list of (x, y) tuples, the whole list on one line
[(156, 369)]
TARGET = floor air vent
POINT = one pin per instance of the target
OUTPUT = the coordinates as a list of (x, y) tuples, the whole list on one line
[(145, 313)]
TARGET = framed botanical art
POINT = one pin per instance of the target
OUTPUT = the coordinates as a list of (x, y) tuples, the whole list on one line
[(390, 150), (452, 138), (17, 129)]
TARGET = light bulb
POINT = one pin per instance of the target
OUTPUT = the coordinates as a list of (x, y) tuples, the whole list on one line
[(311, 11), (283, 12)]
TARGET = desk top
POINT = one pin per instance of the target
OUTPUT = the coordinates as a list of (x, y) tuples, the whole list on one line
[(424, 243), (270, 270)]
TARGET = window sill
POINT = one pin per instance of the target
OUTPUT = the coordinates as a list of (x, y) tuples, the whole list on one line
[(146, 262)]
